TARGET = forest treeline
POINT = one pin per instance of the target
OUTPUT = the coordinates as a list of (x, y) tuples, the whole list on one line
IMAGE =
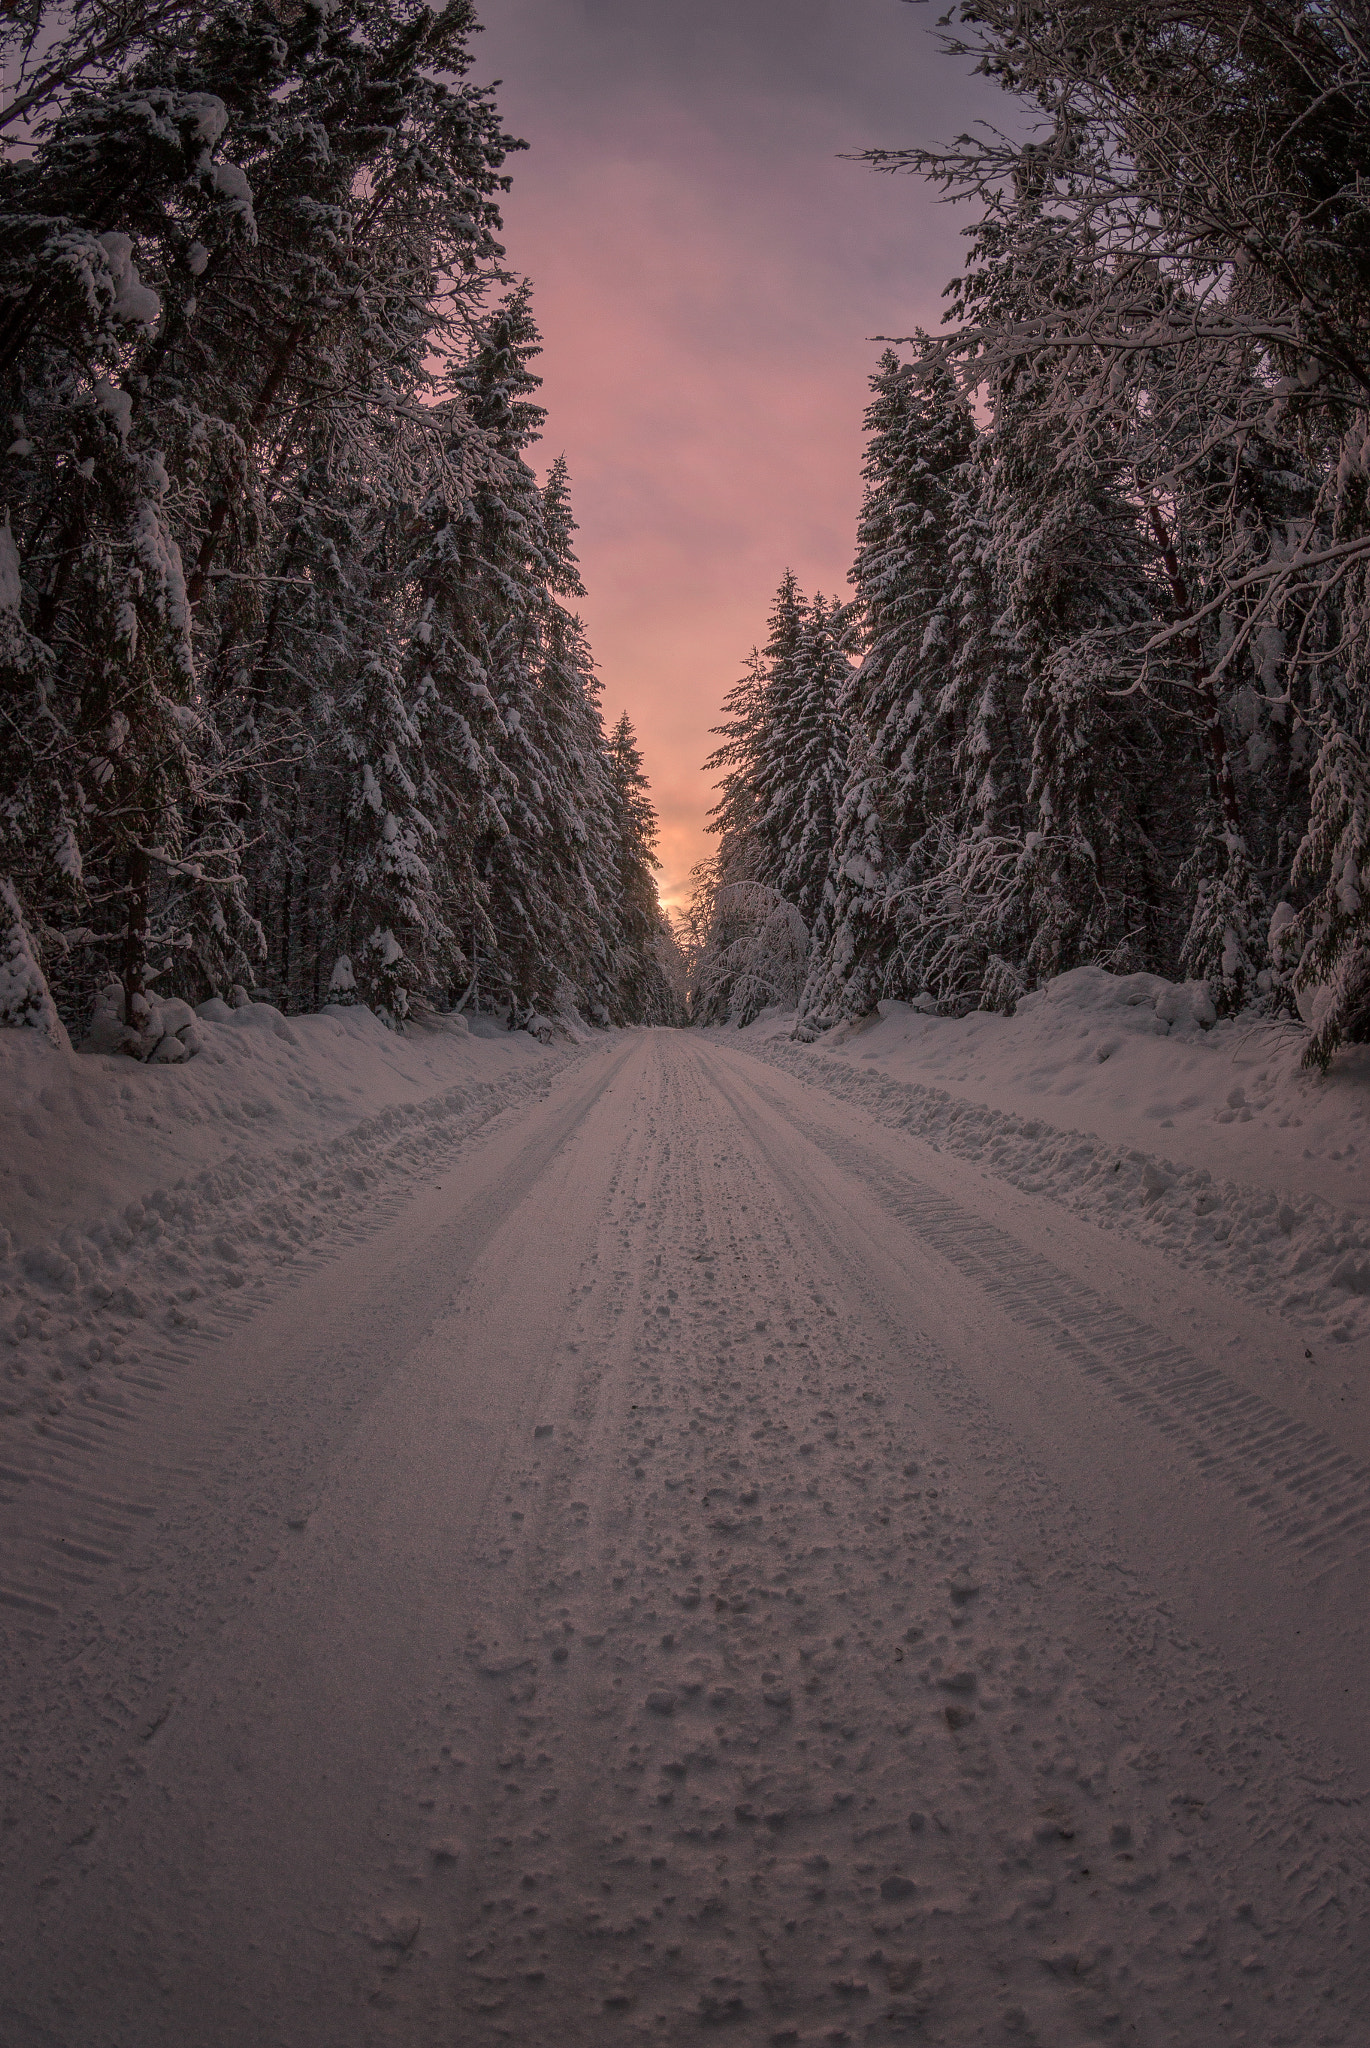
[(1100, 691), (292, 690)]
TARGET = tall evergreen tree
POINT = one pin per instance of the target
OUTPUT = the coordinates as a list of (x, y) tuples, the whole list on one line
[(918, 896), (801, 762), (920, 436), (1201, 322), (289, 681), (851, 938), (530, 655), (781, 764), (222, 255)]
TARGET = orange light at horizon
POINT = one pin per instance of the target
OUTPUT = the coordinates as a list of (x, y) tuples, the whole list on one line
[(707, 275)]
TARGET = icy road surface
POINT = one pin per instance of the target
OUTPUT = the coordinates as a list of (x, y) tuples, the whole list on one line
[(708, 1566)]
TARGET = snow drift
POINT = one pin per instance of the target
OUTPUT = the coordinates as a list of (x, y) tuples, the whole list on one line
[(1121, 1097), (136, 1193)]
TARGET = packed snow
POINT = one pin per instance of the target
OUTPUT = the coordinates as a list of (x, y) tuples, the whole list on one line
[(662, 1533)]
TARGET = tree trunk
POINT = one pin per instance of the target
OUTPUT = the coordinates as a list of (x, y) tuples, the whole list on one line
[(68, 546), (1219, 761), (266, 398), (135, 931)]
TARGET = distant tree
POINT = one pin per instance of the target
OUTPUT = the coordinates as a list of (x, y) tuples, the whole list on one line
[(782, 762), (751, 948), (649, 973), (851, 938), (801, 759), (935, 767)]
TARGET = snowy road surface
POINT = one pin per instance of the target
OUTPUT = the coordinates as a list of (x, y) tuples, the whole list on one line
[(706, 1566)]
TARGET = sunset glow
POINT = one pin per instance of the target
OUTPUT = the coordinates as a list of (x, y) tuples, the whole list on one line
[(708, 275)]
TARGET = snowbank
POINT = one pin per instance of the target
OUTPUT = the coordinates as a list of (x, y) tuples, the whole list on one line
[(1115, 1095), (135, 1194), (25, 1001)]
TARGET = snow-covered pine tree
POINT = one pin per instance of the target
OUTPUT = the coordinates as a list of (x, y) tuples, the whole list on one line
[(549, 812), (850, 939), (646, 990), (1067, 546), (25, 998), (762, 767), (747, 945), (920, 894), (1224, 943), (921, 439), (801, 762), (976, 935), (1333, 965), (1327, 946), (1221, 503), (585, 834), (108, 747), (733, 818), (1208, 171), (389, 222), (304, 206), (391, 914), (920, 434)]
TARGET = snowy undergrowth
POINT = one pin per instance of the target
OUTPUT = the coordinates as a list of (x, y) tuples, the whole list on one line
[(1262, 1181), (136, 1198)]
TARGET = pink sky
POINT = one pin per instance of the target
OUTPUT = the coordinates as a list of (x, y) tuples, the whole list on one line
[(707, 276)]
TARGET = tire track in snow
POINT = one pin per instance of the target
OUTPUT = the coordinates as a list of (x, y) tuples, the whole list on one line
[(86, 1852), (794, 1745), (549, 1606), (1303, 1257), (1312, 1496), (140, 1396), (846, 1743)]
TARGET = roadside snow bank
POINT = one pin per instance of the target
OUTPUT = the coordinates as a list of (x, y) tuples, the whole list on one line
[(135, 1195), (1214, 1144)]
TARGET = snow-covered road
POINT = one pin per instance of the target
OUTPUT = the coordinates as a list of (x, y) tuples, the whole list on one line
[(705, 1562)]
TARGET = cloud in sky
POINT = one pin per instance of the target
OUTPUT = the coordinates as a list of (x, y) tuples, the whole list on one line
[(707, 275)]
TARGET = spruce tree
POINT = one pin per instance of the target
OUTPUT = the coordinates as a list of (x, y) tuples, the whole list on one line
[(222, 254), (290, 680), (801, 762), (645, 943), (1068, 546), (851, 938), (921, 433), (753, 940)]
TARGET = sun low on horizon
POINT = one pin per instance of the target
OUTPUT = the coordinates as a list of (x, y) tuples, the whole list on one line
[(709, 270)]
